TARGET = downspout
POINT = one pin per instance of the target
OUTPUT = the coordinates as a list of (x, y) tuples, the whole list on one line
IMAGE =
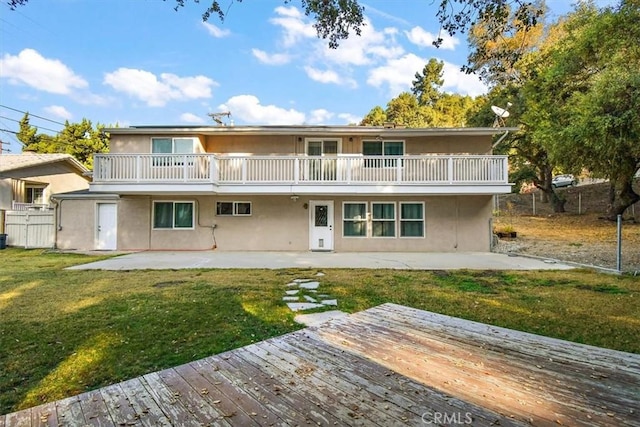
[(58, 218), (495, 144)]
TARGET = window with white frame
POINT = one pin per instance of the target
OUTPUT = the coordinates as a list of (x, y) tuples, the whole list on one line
[(233, 208), (383, 149), (354, 219), (171, 146), (411, 219), (34, 194), (383, 219), (173, 215)]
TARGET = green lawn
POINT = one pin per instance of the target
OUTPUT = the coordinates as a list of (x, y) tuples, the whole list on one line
[(64, 332)]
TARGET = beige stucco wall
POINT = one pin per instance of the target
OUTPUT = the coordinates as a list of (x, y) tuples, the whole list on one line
[(75, 221), (141, 144), (453, 223), (57, 177), (6, 193), (296, 144)]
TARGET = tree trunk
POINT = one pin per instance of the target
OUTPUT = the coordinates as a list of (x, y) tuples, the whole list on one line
[(557, 202), (548, 192), (623, 197)]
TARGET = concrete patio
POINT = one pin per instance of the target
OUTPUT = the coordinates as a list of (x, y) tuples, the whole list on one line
[(276, 260)]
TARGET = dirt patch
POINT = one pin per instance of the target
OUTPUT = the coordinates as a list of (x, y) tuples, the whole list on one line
[(583, 238)]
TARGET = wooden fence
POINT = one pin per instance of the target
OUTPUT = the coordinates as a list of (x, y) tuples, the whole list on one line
[(30, 229)]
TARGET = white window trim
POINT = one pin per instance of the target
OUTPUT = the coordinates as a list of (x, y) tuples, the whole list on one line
[(173, 226), (383, 156), (395, 220), (234, 204), (173, 143), (28, 191), (366, 219), (424, 220)]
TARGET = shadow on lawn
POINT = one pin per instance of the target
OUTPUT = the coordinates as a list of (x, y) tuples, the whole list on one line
[(93, 342)]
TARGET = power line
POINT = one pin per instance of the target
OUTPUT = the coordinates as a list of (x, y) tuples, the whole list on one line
[(39, 127), (33, 115)]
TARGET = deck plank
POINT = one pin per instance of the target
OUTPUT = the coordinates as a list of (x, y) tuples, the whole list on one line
[(295, 380), (70, 412), (118, 406), (250, 381), (386, 366), (236, 394), (544, 398), (45, 415), (226, 406), (19, 419), (532, 371), (150, 414), (389, 386), (193, 400), (538, 345), (95, 409)]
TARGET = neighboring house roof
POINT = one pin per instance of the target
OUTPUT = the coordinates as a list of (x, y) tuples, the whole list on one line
[(382, 131), (12, 162)]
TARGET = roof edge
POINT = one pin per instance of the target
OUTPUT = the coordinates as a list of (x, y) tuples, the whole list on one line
[(306, 130)]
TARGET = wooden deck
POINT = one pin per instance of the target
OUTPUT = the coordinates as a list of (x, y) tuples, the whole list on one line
[(389, 365)]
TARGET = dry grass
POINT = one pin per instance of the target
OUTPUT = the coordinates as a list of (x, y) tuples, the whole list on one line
[(583, 238)]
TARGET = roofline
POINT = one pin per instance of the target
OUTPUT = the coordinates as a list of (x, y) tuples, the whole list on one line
[(74, 162), (84, 195), (307, 130)]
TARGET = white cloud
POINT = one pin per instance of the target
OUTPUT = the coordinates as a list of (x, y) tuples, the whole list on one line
[(421, 37), (350, 118), (248, 109), (191, 118), (458, 81), (59, 112), (396, 73), (319, 116), (294, 25), (145, 86), (366, 49), (216, 31), (32, 69), (273, 59), (328, 76)]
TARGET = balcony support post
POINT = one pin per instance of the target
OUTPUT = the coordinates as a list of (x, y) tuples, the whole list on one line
[(213, 169)]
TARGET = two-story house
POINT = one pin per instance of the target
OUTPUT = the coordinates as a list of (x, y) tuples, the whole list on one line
[(288, 188)]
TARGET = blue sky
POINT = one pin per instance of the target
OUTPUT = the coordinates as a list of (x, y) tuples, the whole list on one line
[(139, 62)]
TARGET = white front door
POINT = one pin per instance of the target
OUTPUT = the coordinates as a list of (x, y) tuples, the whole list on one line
[(107, 227), (321, 225)]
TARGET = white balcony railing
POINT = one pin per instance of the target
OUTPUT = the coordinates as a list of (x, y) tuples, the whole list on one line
[(20, 206), (344, 169)]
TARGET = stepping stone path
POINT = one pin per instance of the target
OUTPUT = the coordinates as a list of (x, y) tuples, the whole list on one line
[(302, 294)]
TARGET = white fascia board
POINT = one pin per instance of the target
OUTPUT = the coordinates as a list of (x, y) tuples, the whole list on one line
[(363, 131), (309, 189)]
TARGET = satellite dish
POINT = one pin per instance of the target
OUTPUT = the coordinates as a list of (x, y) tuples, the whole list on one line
[(501, 114)]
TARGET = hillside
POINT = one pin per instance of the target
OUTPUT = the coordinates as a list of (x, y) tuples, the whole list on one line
[(582, 238)]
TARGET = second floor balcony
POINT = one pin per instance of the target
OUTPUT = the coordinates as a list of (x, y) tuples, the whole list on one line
[(346, 174)]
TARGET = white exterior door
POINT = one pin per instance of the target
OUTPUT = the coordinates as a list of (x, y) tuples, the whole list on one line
[(107, 227), (321, 225)]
